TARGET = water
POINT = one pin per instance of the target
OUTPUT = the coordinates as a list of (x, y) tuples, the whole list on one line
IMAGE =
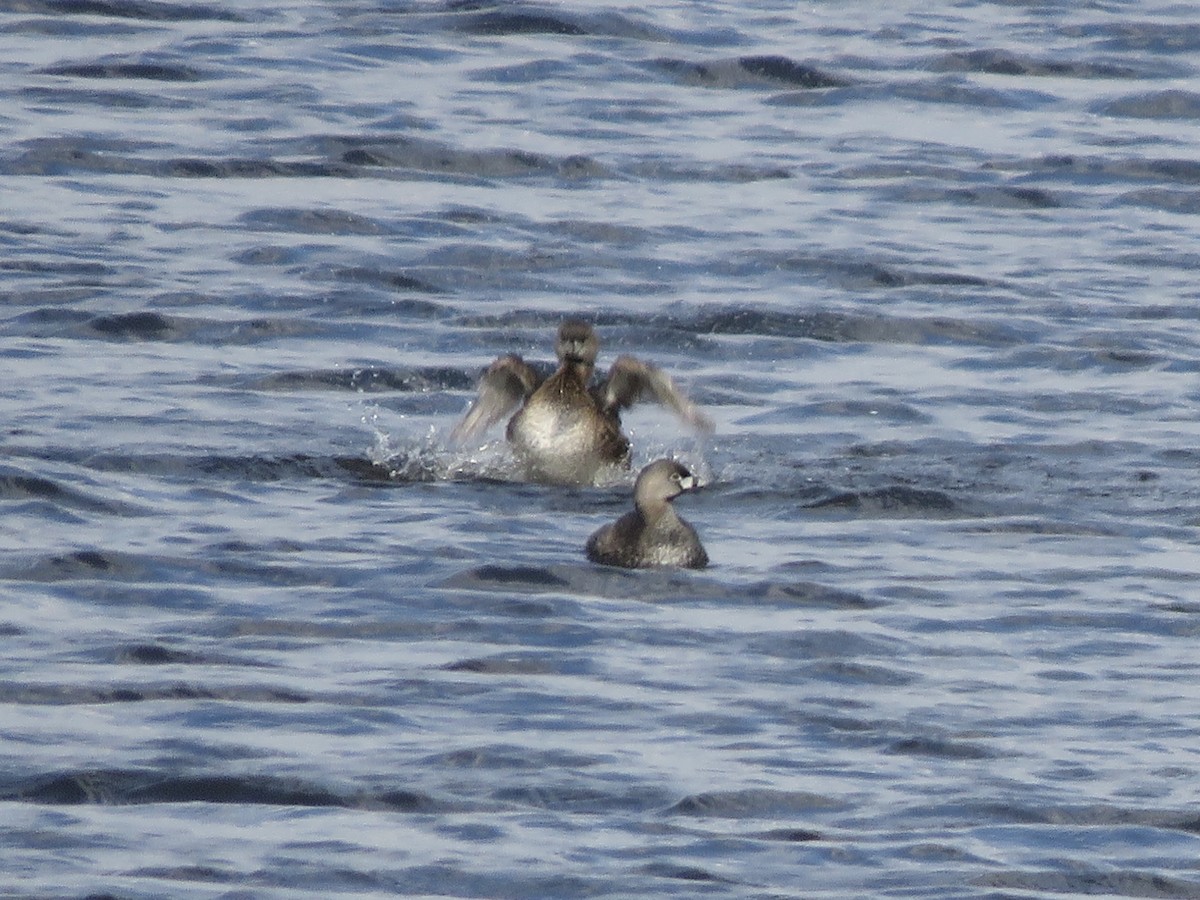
[(932, 272)]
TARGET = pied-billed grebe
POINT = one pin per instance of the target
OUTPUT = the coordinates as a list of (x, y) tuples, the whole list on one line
[(566, 430), (652, 534)]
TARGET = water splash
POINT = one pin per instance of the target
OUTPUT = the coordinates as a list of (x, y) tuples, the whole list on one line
[(430, 457)]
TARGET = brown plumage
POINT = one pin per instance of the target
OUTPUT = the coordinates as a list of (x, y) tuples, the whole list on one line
[(652, 534), (565, 430)]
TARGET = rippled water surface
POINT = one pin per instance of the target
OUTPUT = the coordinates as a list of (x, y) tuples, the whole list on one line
[(930, 268)]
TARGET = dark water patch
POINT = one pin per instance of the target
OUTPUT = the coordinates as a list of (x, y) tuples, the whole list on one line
[(65, 27), (152, 325), (533, 320), (789, 835), (1173, 104), (27, 229), (512, 756), (787, 71), (910, 169), (1182, 202), (845, 725), (897, 500), (146, 10), (939, 748), (76, 154), (526, 609), (271, 255), (1182, 607), (817, 99), (799, 594), (1093, 170), (1179, 456), (1139, 37), (950, 89), (392, 281), (1043, 527), (491, 577), (785, 416), (136, 787), (580, 799), (733, 173), (135, 326), (471, 216), (418, 466), (511, 664), (1184, 171), (307, 631), (891, 449), (156, 655), (194, 167), (60, 155), (16, 485), (49, 320), (1091, 881), (368, 380), (526, 72), (187, 874), (750, 804), (82, 271), (464, 879), (426, 155), (256, 467), (1104, 814), (517, 21), (750, 71), (141, 71), (299, 220), (14, 297), (476, 269), (521, 330), (1132, 632), (878, 410), (614, 234), (402, 800), (1006, 197), (521, 19), (1004, 62), (1067, 402), (996, 196), (407, 469), (855, 673), (649, 586), (284, 468), (483, 834), (288, 873), (847, 271), (85, 565), (301, 574), (839, 327), (824, 644), (652, 586), (34, 694), (1080, 359), (680, 872)]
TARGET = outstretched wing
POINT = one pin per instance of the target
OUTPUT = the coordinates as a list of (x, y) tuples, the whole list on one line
[(505, 385), (631, 380)]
